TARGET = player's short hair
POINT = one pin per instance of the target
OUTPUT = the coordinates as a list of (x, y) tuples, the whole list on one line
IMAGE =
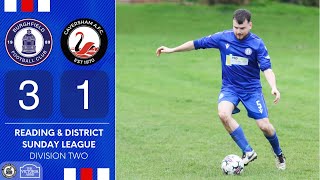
[(241, 15)]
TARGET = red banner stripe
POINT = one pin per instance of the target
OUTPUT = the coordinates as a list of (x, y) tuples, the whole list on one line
[(86, 173), (27, 6)]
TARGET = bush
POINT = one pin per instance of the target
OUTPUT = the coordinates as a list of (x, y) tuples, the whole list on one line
[(243, 2), (303, 2)]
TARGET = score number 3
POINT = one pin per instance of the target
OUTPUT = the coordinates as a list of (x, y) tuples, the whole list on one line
[(30, 94)]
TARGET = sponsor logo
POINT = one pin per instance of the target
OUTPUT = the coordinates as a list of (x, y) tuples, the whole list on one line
[(236, 60), (26, 5), (28, 42), (227, 46), (84, 42), (9, 171), (248, 51), (29, 171)]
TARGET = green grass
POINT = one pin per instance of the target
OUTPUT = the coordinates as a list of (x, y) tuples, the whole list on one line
[(167, 123)]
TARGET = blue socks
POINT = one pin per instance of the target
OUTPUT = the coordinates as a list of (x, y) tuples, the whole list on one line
[(275, 144), (238, 137)]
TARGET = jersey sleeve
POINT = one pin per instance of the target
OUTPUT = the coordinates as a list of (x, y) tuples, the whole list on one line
[(263, 57), (211, 41)]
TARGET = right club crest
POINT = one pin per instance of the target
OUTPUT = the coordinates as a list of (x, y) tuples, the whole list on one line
[(84, 41)]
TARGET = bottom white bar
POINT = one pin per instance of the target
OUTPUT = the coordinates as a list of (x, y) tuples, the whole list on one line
[(103, 173), (70, 174)]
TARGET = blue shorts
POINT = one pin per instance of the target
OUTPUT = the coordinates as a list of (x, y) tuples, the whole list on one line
[(253, 102)]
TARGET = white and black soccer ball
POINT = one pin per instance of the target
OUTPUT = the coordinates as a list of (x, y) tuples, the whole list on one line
[(232, 165)]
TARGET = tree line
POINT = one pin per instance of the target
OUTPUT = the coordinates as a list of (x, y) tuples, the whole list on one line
[(243, 2)]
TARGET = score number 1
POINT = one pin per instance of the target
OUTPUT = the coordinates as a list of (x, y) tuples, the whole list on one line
[(85, 87)]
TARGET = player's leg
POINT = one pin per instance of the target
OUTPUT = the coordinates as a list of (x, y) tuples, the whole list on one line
[(271, 135), (269, 132), (257, 109), (225, 109), (227, 105)]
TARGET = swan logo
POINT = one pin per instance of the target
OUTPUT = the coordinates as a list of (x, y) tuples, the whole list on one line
[(84, 42), (28, 42)]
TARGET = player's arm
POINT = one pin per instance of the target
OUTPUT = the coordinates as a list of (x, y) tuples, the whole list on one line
[(211, 41), (265, 66), (187, 46), (271, 78)]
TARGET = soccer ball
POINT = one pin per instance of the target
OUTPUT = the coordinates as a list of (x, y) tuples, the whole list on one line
[(232, 165)]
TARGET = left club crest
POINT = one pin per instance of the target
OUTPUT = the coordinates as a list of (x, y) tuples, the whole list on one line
[(28, 42)]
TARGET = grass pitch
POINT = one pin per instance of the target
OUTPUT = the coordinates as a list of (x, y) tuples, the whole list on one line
[(167, 123)]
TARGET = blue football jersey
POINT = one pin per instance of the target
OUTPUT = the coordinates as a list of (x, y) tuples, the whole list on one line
[(241, 60)]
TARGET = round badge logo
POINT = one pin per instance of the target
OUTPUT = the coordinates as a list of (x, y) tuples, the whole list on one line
[(28, 42), (248, 51), (84, 42), (9, 171)]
